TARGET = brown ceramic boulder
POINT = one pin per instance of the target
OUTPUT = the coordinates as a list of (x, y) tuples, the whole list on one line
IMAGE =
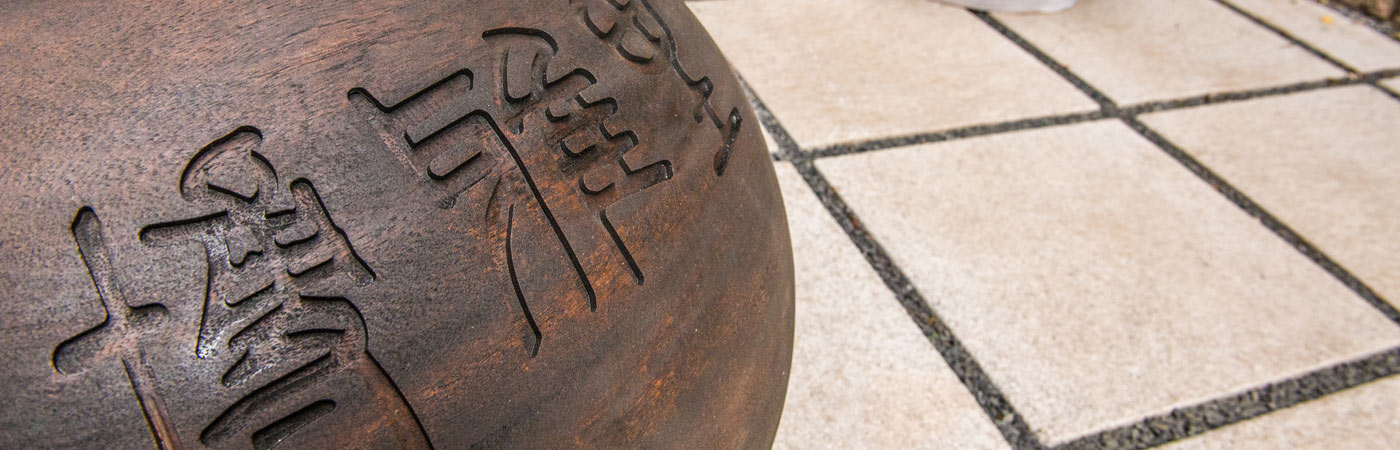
[(384, 224)]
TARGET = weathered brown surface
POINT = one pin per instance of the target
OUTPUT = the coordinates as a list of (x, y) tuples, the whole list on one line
[(1381, 9), (510, 224)]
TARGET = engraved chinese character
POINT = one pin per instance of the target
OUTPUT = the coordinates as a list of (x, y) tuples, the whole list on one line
[(276, 322), (527, 122)]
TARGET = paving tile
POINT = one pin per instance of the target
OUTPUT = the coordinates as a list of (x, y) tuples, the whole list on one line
[(1361, 417), (837, 71), (1393, 84), (863, 376), (1144, 50), (1344, 39), (768, 140), (1327, 163), (1095, 279)]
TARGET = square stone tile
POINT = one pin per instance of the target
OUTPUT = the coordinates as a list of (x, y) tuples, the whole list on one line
[(846, 70), (1393, 84), (1095, 279), (1327, 163), (768, 140), (1360, 417), (1136, 51), (1348, 41), (863, 376)]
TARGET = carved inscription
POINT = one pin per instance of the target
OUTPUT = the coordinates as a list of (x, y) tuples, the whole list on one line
[(277, 320), (522, 117), (121, 333), (275, 316), (639, 34)]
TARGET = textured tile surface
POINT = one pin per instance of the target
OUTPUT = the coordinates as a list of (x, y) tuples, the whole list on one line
[(1095, 279), (863, 376), (1350, 42), (838, 71), (1143, 50), (1325, 162), (1361, 417)]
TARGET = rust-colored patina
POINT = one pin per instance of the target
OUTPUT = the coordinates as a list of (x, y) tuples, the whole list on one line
[(384, 224)]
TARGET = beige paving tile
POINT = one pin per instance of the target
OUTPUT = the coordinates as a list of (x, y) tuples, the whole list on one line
[(863, 376), (1348, 41), (1143, 50), (1327, 163), (1393, 84), (768, 140), (1361, 418), (844, 70), (1095, 279)]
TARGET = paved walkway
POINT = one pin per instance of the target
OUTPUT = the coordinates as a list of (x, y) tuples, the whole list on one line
[(1135, 223)]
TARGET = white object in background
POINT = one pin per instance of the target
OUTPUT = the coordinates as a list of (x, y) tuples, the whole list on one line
[(1015, 5)]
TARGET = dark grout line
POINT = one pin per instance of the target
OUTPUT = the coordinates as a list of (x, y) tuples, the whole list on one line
[(999, 410), (1107, 108), (1190, 421), (1129, 117), (1193, 420), (956, 133), (787, 147), (1229, 410), (1268, 220), (1373, 78), (1151, 431), (1392, 92), (1288, 36), (1227, 97), (994, 403), (1104, 102)]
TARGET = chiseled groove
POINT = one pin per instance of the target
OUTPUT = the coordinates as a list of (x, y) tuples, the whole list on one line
[(235, 416), (383, 108), (408, 443), (539, 198), (702, 85), (515, 283), (621, 247), (92, 249), (722, 156), (119, 318), (312, 194), (273, 434), (162, 429)]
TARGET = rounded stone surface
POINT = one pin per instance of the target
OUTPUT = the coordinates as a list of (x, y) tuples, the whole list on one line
[(389, 224)]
